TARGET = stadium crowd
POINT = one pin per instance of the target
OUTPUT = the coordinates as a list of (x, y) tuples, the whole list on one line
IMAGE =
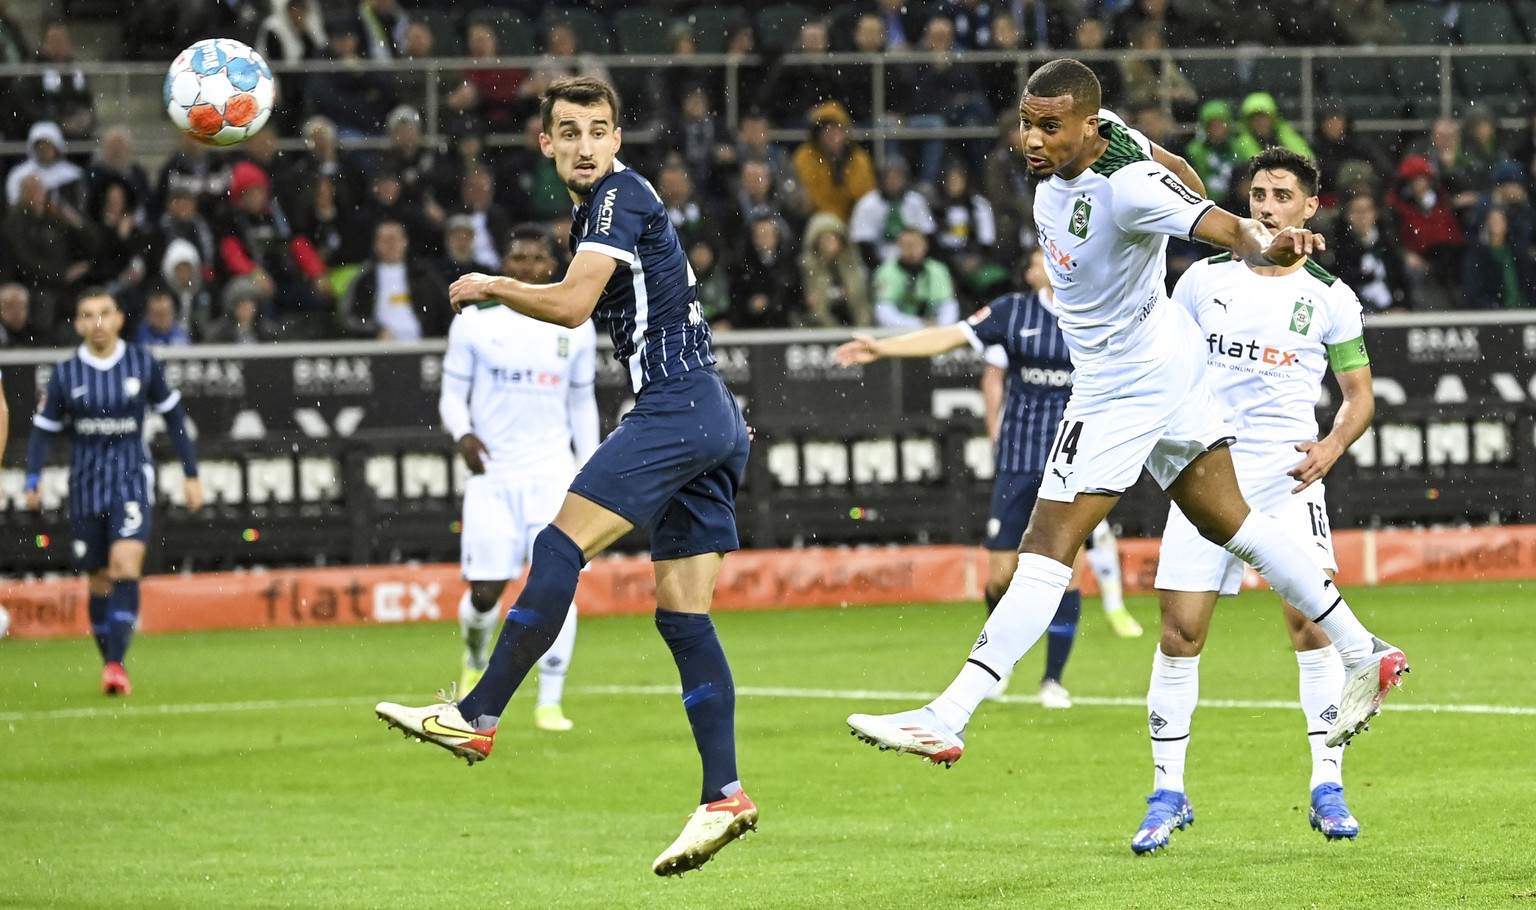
[(258, 244)]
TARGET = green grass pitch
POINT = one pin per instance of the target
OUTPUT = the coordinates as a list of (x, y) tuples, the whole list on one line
[(248, 771)]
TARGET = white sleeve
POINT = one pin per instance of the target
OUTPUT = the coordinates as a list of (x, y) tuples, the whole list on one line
[(581, 397), (995, 355), (986, 222), (919, 214), (459, 362), (864, 223), (1149, 199), (1186, 292), (458, 378), (1346, 321)]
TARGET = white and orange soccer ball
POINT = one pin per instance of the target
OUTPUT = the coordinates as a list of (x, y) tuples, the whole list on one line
[(219, 91)]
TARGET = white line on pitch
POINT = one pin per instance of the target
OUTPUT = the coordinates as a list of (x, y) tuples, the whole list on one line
[(124, 711)]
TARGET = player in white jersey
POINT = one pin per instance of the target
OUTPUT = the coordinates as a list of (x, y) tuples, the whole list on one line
[(518, 397), (1270, 333), (1106, 204)]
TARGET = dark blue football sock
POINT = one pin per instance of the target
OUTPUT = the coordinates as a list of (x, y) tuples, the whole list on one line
[(709, 696), (122, 613), (97, 609), (531, 626), (1060, 634)]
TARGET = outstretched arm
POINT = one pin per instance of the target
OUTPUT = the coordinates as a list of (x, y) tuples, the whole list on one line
[(568, 303), (1181, 169), (921, 343), (1348, 425), (1253, 242)]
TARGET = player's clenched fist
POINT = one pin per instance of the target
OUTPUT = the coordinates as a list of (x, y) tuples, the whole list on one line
[(1290, 245), (471, 288), (859, 351)]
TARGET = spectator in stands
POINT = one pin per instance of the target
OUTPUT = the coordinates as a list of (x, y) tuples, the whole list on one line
[(1455, 170), (325, 225), (466, 152), (119, 247), (1009, 187), (261, 150), (1366, 256), (754, 200), (356, 97), (160, 324), (182, 221), (1091, 36), (833, 172), (833, 276), (62, 179), (14, 115), (493, 227), (257, 242), (1147, 80), (1522, 146), (386, 201), (293, 32), (689, 213), (945, 91), (1264, 127), (1481, 151), (790, 91), (883, 213), (1175, 25), (394, 297), (903, 24), (1336, 145), (412, 161), (1507, 192), (384, 25), (498, 95), (1150, 121), (16, 328), (1366, 22), (966, 239), (563, 57), (753, 143), (973, 21), (182, 271), (194, 167), (697, 135), (765, 284), (528, 178), (48, 248), (859, 82), (115, 159), (243, 323), (1497, 272), (62, 94), (460, 256), (1431, 234), (713, 284), (912, 289)]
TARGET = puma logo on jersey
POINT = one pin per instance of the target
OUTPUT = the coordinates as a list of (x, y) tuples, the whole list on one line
[(1221, 303), (1063, 477)]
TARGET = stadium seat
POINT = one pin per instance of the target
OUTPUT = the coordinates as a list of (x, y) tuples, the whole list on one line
[(591, 31), (1526, 12), (1418, 83), (1498, 84), (641, 31), (447, 32), (712, 26), (514, 36), (1360, 84), (1489, 22), (1213, 78), (778, 26), (1423, 22)]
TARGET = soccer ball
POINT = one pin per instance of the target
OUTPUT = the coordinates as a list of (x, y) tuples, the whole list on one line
[(219, 91)]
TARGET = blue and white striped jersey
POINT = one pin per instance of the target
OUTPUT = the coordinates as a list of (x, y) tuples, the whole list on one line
[(101, 403), (1039, 376), (650, 307)]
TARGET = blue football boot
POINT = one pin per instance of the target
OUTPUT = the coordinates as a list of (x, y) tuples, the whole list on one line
[(1170, 810), (1329, 815)]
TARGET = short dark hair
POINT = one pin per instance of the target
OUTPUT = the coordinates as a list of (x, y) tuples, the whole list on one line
[(1066, 76), (95, 290), (533, 233), (582, 90), (1278, 158)]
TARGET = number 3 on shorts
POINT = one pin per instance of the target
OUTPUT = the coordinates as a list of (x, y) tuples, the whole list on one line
[(1067, 436), (133, 518)]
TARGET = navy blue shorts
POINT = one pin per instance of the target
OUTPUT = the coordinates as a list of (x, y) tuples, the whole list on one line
[(674, 465), (92, 535), (1013, 498)]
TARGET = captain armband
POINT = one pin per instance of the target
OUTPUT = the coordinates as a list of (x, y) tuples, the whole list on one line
[(1348, 355)]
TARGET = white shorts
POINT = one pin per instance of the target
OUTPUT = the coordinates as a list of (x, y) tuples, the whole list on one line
[(502, 514), (1122, 417), (1189, 562)]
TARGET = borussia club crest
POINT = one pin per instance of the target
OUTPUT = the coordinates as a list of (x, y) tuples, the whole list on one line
[(1301, 317), (1080, 214)]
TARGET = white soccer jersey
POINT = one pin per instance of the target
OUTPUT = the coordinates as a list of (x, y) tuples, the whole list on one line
[(1104, 234), (521, 373), (1268, 341)]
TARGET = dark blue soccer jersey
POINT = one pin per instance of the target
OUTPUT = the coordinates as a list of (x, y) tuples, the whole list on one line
[(101, 403), (650, 306), (1039, 377)]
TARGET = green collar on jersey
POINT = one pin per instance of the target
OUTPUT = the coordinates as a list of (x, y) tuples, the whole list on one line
[(1122, 149)]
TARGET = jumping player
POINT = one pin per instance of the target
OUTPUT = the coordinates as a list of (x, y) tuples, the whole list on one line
[(518, 398), (1271, 332), (1107, 201), (673, 465), (100, 396)]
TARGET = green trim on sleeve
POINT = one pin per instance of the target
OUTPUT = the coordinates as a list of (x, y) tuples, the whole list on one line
[(1348, 355)]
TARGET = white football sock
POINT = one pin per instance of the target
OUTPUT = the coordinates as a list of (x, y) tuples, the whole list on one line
[(1266, 545), (1104, 559), (1322, 681), (479, 631), (553, 664), (1019, 620), (1171, 700)]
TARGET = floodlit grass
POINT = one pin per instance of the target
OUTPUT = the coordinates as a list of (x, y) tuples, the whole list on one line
[(248, 771)]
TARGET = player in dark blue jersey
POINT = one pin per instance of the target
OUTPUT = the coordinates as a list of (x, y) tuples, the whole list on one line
[(672, 466), (100, 398), (1023, 329)]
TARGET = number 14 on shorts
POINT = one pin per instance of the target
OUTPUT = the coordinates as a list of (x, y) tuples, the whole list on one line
[(1068, 432)]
